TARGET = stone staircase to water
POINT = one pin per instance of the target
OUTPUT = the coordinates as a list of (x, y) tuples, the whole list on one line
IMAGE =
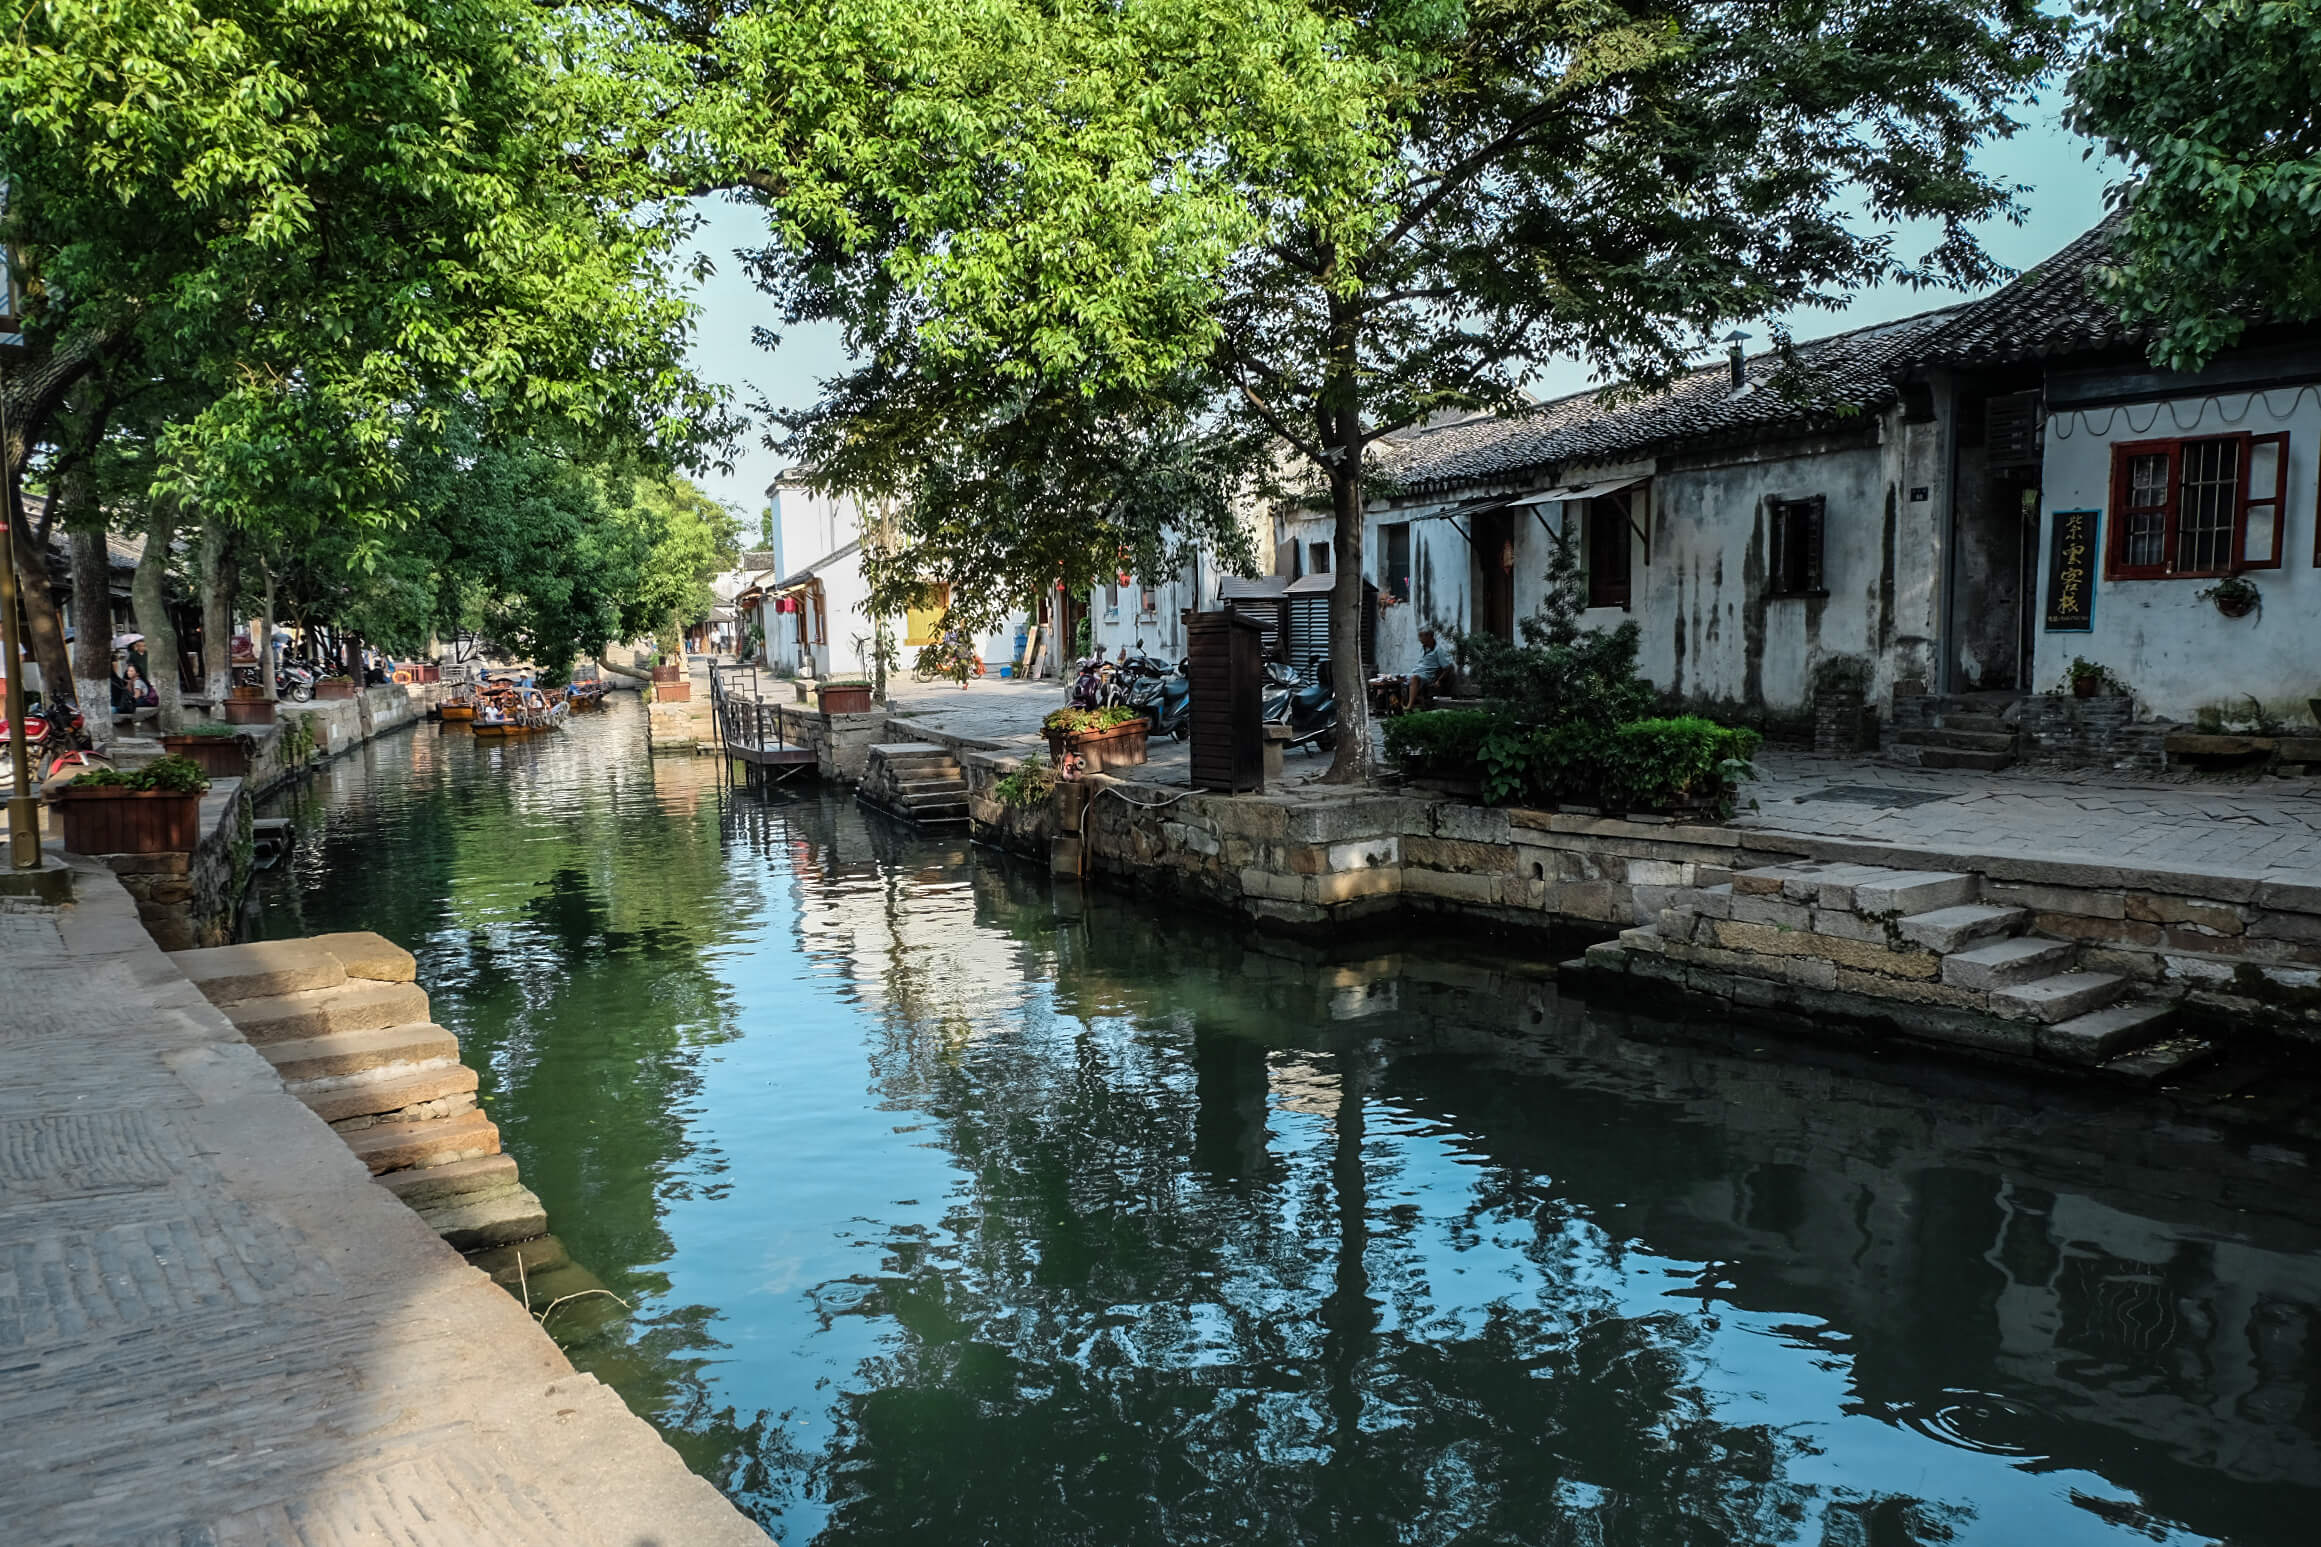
[(343, 1020), (920, 781), (1918, 949)]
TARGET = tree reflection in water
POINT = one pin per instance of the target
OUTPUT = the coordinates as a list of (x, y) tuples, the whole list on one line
[(961, 1209)]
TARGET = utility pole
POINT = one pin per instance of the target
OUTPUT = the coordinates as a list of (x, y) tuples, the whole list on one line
[(23, 805)]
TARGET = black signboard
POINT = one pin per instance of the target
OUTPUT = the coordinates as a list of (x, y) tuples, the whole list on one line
[(2071, 551)]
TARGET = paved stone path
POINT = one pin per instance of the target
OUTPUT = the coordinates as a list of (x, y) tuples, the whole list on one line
[(215, 1329), (2270, 829)]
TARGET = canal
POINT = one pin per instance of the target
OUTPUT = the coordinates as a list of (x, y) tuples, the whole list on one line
[(959, 1208)]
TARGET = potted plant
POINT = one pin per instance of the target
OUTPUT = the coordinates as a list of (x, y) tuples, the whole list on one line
[(2236, 596), (248, 711), (2085, 676), (151, 810), (334, 688), (844, 695), (222, 751), (1111, 737)]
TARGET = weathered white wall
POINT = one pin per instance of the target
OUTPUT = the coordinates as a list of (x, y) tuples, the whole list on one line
[(1711, 635), (809, 526), (2176, 652)]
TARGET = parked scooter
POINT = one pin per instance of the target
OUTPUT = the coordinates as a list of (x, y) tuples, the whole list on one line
[(291, 681), (1163, 694), (1308, 708)]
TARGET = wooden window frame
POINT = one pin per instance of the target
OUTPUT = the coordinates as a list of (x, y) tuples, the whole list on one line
[(1390, 584), (1603, 514), (2124, 453), (1812, 512)]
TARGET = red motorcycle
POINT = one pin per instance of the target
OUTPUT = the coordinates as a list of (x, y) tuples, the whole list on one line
[(56, 744)]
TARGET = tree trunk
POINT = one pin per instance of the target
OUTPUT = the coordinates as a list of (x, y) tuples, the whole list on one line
[(93, 633), (44, 631), (217, 610), (265, 641), (1343, 437), (153, 614)]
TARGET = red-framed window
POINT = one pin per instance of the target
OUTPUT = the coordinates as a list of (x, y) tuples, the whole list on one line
[(2198, 507)]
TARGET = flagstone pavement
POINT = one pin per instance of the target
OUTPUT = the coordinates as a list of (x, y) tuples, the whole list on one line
[(217, 1331)]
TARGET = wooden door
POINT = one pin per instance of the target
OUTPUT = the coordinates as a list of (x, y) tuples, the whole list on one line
[(1495, 573)]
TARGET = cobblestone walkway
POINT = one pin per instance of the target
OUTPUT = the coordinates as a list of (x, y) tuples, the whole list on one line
[(215, 1330), (2270, 829)]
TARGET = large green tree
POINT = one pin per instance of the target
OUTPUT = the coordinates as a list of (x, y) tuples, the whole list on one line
[(2211, 106), (1355, 218)]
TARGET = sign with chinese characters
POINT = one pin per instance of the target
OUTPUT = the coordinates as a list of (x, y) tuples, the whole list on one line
[(2071, 550)]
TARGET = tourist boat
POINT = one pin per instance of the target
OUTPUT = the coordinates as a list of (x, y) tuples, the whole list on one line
[(585, 695), (508, 711), (459, 709)]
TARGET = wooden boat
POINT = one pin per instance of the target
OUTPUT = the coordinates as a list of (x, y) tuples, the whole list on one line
[(456, 714), (509, 711)]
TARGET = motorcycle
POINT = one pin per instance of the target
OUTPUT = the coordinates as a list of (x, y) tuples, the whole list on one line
[(1309, 709), (1163, 694), (56, 744), (291, 681)]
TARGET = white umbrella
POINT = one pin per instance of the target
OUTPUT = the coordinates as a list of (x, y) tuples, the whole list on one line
[(124, 641)]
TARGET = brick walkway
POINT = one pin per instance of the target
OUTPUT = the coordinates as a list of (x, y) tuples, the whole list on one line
[(215, 1329)]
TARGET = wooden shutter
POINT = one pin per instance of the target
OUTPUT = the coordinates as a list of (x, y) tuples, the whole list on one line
[(1809, 525), (2011, 431), (2264, 505)]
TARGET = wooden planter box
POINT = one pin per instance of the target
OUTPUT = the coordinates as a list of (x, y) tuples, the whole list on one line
[(128, 821), (330, 688), (849, 699), (1102, 751), (221, 757), (248, 693), (668, 673), (249, 711), (673, 692)]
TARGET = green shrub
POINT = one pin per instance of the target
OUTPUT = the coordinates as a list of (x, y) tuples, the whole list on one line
[(1655, 765), (1029, 783), (173, 775), (1079, 722), (209, 728), (1438, 741)]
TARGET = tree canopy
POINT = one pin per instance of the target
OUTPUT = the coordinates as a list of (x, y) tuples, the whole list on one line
[(1347, 220), (2212, 107)]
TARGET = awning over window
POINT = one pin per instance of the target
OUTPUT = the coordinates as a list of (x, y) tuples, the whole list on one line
[(1583, 491)]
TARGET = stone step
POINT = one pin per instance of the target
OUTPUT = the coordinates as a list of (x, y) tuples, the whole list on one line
[(1956, 928), (2059, 998), (2005, 963), (354, 1006), (388, 1089), (368, 955), (1949, 757), (1967, 720), (910, 788), (432, 1141), (263, 969), (2104, 1034), (459, 1180), (352, 1052), (1914, 891), (2163, 1060), (499, 1220), (544, 1254), (1959, 740)]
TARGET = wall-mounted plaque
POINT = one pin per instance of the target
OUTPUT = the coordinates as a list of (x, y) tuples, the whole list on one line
[(2071, 551)]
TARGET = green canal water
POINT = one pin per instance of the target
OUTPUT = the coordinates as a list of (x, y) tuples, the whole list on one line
[(960, 1209)]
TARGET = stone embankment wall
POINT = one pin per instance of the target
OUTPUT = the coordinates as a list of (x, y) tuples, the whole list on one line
[(188, 899), (2232, 948)]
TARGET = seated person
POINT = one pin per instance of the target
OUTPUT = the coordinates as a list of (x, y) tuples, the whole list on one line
[(1437, 668)]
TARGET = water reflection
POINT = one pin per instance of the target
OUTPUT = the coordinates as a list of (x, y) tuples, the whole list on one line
[(961, 1210)]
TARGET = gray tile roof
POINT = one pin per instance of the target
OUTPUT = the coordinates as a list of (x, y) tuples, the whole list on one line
[(2051, 309), (1832, 380)]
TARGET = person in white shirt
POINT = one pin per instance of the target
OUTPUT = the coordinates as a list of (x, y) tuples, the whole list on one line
[(1437, 666)]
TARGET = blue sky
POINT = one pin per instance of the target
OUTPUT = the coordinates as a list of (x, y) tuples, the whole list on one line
[(2066, 198)]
